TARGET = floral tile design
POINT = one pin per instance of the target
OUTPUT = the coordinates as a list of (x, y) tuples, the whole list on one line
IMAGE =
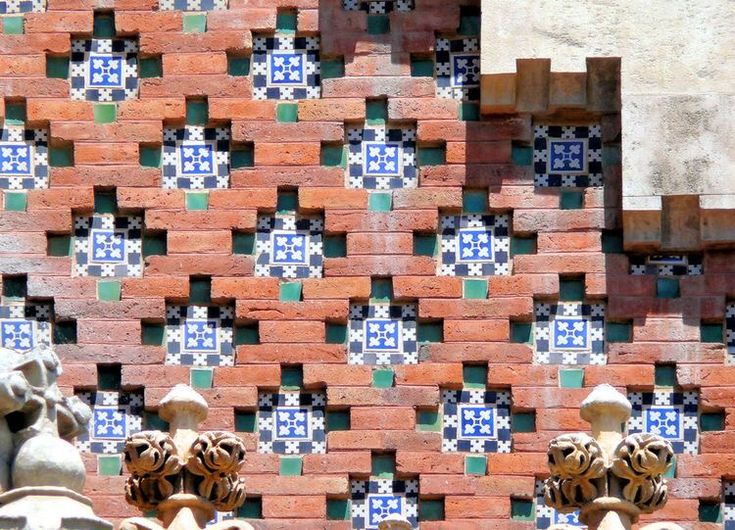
[(23, 158), (292, 423), (108, 246), (667, 265), (115, 416), (286, 67), (569, 333), (457, 68), (200, 335), (475, 245), (104, 69), (24, 326), (288, 245), (373, 500), (567, 156), (673, 415), (381, 334), (17, 7), (381, 158), (196, 158), (476, 421)]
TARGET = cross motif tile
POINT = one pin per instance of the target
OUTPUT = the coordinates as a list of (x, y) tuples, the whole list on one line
[(108, 246), (457, 68), (196, 157), (104, 69), (569, 333), (383, 334), (378, 7), (474, 245), (199, 335), (16, 7), (115, 416), (728, 507), (292, 423), (23, 158), (25, 325), (286, 68), (567, 156), (373, 500), (672, 415), (192, 5), (667, 265), (547, 516), (476, 421), (381, 158), (288, 245)]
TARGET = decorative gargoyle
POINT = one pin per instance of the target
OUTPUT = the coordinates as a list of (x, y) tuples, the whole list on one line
[(612, 480), (41, 473), (185, 476)]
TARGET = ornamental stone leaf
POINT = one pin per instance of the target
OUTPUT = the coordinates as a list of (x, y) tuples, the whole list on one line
[(640, 461)]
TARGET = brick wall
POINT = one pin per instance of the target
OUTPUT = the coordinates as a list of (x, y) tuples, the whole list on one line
[(142, 284)]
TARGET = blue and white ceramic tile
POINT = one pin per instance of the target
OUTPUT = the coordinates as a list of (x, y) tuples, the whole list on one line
[(378, 7), (667, 265), (104, 69), (373, 500), (292, 423), (567, 156), (115, 416), (23, 158), (192, 5), (288, 245), (730, 332), (728, 508), (220, 517), (381, 158), (17, 7), (570, 333), (196, 158), (200, 335), (475, 245), (476, 421), (673, 415), (382, 334), (547, 516), (286, 67), (108, 246), (25, 325), (457, 67)]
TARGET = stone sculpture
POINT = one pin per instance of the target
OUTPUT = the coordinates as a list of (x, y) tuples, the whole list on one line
[(610, 479), (185, 476), (41, 473)]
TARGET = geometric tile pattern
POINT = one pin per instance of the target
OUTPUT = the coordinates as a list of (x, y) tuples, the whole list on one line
[(288, 245), (14, 7), (108, 246), (474, 245), (199, 335), (666, 265), (373, 500), (378, 7), (457, 68), (104, 69), (569, 333), (23, 158), (476, 421), (567, 156), (728, 510), (381, 334), (192, 5), (115, 416), (673, 415), (24, 326), (381, 158), (286, 68), (292, 423), (196, 158), (730, 332), (547, 516)]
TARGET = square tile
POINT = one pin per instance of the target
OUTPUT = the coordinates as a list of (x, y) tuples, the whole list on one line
[(23, 158), (12, 7), (289, 245), (378, 7), (292, 423), (381, 334), (286, 67), (115, 416), (476, 421), (108, 246), (24, 326), (728, 509), (671, 414), (199, 335), (381, 158), (371, 501), (569, 333), (547, 516), (457, 68), (567, 156), (667, 265), (104, 69), (196, 158), (192, 5), (474, 245)]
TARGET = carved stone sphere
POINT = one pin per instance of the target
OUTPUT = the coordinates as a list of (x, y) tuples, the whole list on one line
[(48, 461)]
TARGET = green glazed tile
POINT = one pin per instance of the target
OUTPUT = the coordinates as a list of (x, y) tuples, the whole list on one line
[(332, 68), (571, 377), (431, 509), (150, 67), (710, 512), (152, 334), (619, 332), (57, 67), (292, 377), (380, 202), (376, 111), (667, 287), (474, 375), (58, 245), (200, 290), (432, 156), (103, 26), (428, 420), (378, 24), (665, 375), (13, 25), (383, 378), (149, 156), (712, 421), (65, 332), (247, 335), (522, 155), (469, 111), (252, 508), (61, 156), (333, 156), (469, 21), (109, 376), (15, 201), (109, 465), (425, 244), (571, 289), (197, 201), (430, 331), (474, 201), (155, 244), (245, 421), (336, 333), (202, 377), (523, 421), (287, 201), (153, 422), (290, 466), (571, 200), (15, 287), (520, 332), (474, 289), (286, 21), (197, 112), (523, 245), (381, 289), (612, 242), (475, 465), (238, 66), (338, 509), (338, 420), (290, 292), (195, 23), (109, 290), (383, 465), (105, 113), (15, 112), (711, 332), (287, 112), (242, 156), (105, 202), (522, 510), (335, 246), (243, 243)]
